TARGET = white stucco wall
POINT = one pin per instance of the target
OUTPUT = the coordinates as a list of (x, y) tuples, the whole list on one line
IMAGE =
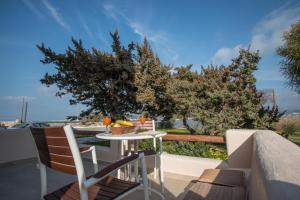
[(239, 143), (275, 168), (16, 144)]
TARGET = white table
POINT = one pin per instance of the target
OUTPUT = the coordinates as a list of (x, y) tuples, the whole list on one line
[(139, 136)]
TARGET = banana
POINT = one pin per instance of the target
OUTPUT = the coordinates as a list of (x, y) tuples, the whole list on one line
[(124, 123), (116, 125)]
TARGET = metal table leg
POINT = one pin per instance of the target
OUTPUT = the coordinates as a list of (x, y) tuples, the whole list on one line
[(155, 164), (122, 155)]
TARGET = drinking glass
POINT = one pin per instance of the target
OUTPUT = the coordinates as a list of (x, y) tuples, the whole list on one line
[(106, 122), (142, 120)]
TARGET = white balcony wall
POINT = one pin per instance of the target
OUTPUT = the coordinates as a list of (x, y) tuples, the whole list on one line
[(16, 144)]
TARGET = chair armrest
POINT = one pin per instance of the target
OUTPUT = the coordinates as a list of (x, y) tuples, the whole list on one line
[(111, 168), (150, 152)]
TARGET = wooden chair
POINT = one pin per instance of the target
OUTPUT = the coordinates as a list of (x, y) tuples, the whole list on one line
[(58, 149)]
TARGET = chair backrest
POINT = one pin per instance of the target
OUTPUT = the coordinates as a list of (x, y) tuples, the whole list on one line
[(149, 124), (53, 149), (58, 149)]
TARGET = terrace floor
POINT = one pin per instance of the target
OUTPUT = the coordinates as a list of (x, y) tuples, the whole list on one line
[(21, 180)]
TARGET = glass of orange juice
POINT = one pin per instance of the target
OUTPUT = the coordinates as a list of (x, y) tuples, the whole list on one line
[(106, 122), (142, 120)]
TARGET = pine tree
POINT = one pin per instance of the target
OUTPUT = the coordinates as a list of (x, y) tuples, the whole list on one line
[(229, 98), (151, 78), (102, 81), (290, 51), (182, 90)]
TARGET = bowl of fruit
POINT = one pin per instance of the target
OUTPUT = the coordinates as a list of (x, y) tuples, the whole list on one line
[(122, 127)]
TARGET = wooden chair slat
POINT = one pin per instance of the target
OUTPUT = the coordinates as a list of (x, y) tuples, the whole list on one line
[(62, 195), (41, 140), (109, 189), (67, 160), (63, 168), (49, 132), (95, 191), (64, 151)]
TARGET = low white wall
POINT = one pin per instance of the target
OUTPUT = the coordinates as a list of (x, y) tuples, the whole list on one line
[(275, 168), (16, 144), (239, 143), (191, 166)]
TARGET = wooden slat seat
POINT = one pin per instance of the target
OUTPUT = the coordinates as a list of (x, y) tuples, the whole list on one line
[(208, 191), (108, 188), (224, 177), (218, 184)]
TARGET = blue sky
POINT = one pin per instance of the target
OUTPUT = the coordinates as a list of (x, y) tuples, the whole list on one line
[(183, 32)]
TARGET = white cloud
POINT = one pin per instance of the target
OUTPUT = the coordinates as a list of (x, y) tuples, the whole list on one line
[(17, 98), (158, 38), (110, 11), (33, 9), (225, 55), (267, 34), (56, 15), (85, 26)]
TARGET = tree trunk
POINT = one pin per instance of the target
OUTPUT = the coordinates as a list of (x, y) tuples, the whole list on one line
[(184, 121)]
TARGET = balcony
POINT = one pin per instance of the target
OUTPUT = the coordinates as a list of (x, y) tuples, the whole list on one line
[(271, 164)]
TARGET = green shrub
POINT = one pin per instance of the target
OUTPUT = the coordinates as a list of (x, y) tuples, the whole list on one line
[(287, 126), (195, 149)]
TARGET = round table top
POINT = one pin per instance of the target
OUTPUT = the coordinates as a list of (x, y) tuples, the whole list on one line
[(132, 136)]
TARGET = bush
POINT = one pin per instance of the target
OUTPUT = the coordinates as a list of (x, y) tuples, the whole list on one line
[(195, 149), (287, 126), (166, 123)]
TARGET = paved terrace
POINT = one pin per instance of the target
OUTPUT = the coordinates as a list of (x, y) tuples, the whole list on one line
[(21, 180), (271, 162)]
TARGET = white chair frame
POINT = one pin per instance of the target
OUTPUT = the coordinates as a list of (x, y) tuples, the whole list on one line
[(85, 183)]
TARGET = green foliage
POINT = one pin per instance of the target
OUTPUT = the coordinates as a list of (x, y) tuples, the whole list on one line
[(295, 138), (182, 90), (104, 82), (195, 149), (127, 81), (174, 130), (140, 130), (166, 123), (290, 52), (104, 143), (229, 98), (151, 78), (221, 97), (288, 126), (145, 145)]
